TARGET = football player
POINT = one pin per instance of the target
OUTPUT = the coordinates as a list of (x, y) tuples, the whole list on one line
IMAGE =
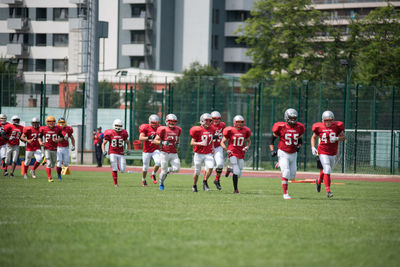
[(30, 136), (218, 151), (239, 142), (150, 150), (168, 137), (330, 132), (63, 146), (13, 133), (117, 137), (49, 136), (290, 134), (3, 142), (203, 145)]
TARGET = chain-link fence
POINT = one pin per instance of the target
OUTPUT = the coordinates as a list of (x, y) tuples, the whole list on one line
[(133, 98)]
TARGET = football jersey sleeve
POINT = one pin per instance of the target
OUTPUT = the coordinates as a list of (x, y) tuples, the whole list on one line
[(340, 126), (227, 132), (315, 128), (302, 129), (125, 135), (248, 133), (161, 132), (276, 128), (194, 132), (143, 129)]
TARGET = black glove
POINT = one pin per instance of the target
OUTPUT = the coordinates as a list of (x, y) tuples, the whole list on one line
[(105, 153), (273, 153), (215, 137), (297, 148), (151, 137)]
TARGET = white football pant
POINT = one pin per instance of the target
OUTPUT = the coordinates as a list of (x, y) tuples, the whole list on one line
[(288, 164), (166, 159), (327, 162), (146, 157), (237, 165), (30, 154), (198, 160), (3, 151), (51, 158), (62, 156), (12, 153), (118, 162), (219, 157)]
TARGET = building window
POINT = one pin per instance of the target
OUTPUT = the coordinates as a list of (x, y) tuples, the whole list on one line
[(137, 62), (237, 67), (138, 11), (60, 40), (60, 65), (231, 42), (18, 12), (41, 40), (137, 37), (40, 65), (41, 13), (216, 16), (237, 15), (60, 14), (215, 41), (55, 89)]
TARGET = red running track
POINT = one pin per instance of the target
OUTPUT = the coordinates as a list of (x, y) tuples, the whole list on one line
[(262, 174)]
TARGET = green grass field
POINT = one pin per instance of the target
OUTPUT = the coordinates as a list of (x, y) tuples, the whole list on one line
[(85, 221)]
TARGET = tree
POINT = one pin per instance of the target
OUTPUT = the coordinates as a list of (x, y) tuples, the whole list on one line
[(108, 97), (281, 35), (377, 39)]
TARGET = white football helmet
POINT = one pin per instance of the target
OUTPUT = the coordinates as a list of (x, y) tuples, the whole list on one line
[(171, 120), (216, 115), (35, 122), (328, 115), (3, 118), (291, 116), (15, 119), (154, 118), (206, 120), (117, 125), (238, 121)]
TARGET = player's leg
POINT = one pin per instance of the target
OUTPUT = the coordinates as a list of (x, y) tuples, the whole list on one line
[(241, 166), (114, 167), (38, 156), (15, 156), (327, 167), (28, 158), (121, 163), (9, 155), (3, 150), (60, 158), (164, 168), (236, 172), (283, 159), (197, 170), (146, 157), (209, 166), (156, 157), (51, 159)]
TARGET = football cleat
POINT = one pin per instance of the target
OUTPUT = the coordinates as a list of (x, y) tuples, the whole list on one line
[(317, 185), (115, 186), (161, 187), (153, 177), (5, 173), (236, 192), (228, 171), (11, 175), (194, 189), (33, 174), (51, 180), (25, 176), (59, 177), (144, 183), (205, 186), (217, 184), (329, 194), (286, 196)]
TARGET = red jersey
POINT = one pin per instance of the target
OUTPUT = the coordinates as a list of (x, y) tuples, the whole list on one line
[(219, 128), (14, 132), (98, 138), (200, 134), (66, 131), (288, 136), (325, 146), (32, 133), (237, 140), (170, 135), (2, 140), (116, 140), (147, 130), (50, 136)]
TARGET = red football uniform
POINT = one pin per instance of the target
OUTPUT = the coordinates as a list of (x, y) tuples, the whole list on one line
[(32, 133), (116, 140), (2, 140), (325, 146), (66, 130), (200, 134), (50, 136), (14, 132), (147, 130), (288, 136), (170, 135), (237, 140), (219, 128)]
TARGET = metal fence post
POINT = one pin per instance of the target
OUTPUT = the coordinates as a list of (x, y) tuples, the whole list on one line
[(83, 121), (374, 126), (355, 131), (254, 123), (130, 113), (126, 105), (305, 124), (392, 134)]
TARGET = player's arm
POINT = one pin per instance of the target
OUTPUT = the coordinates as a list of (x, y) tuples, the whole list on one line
[(271, 144), (128, 144), (299, 143), (143, 137), (157, 140), (25, 139), (313, 142), (103, 147), (72, 140), (223, 145), (342, 136)]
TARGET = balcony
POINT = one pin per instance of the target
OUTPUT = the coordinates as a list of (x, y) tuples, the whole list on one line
[(239, 4), (137, 50), (11, 2), (231, 27), (78, 2), (133, 24), (17, 49), (134, 1), (17, 24), (236, 55)]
